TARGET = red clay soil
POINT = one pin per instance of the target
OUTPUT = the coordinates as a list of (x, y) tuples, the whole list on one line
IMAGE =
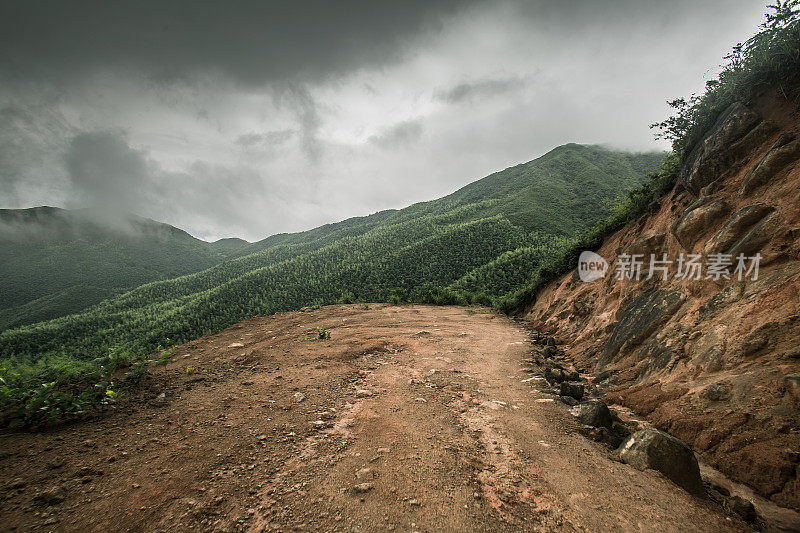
[(409, 418)]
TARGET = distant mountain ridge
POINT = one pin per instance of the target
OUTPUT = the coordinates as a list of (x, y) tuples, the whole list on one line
[(56, 261), (481, 241)]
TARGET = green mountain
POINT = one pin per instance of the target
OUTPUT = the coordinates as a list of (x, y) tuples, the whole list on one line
[(480, 242), (55, 262)]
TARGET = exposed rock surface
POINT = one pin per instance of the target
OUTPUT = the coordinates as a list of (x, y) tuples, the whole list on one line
[(717, 152), (713, 362)]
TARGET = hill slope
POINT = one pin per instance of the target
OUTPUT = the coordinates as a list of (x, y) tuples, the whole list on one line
[(56, 262), (715, 362), (431, 244)]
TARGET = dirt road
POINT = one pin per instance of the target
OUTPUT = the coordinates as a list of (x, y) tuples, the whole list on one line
[(407, 419)]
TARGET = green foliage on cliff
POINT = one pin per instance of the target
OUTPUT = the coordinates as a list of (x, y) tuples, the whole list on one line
[(769, 59)]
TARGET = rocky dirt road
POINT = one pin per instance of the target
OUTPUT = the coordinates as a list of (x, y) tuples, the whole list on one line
[(408, 419)]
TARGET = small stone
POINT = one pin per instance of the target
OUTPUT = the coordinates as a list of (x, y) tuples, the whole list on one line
[(160, 400), (362, 488), (365, 473), (236, 345), (717, 392), (52, 496), (602, 376), (363, 393), (16, 484), (299, 397)]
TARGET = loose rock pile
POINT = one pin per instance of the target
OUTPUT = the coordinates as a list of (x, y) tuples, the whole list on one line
[(639, 446)]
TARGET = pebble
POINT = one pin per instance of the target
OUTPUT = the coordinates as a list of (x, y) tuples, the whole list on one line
[(363, 487)]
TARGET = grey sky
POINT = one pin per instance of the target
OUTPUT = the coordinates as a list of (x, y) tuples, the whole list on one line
[(248, 119)]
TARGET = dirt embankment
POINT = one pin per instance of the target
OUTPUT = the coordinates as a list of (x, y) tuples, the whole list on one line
[(409, 418), (714, 362)]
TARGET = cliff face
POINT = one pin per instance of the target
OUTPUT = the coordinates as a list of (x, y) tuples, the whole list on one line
[(715, 362)]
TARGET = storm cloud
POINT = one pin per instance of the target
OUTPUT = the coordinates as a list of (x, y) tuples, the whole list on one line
[(253, 42), (255, 118)]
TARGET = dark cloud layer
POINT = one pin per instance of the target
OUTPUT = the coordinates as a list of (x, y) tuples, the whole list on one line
[(250, 118), (248, 40)]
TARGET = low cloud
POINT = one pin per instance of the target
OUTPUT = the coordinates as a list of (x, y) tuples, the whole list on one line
[(401, 134), (480, 89), (266, 139)]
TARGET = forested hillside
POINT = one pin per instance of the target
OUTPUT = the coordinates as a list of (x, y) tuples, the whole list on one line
[(478, 243), (56, 262)]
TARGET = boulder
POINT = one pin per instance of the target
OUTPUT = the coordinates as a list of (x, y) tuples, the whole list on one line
[(646, 244), (744, 508), (651, 448), (792, 382), (593, 413), (574, 390)]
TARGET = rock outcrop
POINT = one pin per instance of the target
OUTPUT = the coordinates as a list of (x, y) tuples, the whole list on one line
[(711, 358)]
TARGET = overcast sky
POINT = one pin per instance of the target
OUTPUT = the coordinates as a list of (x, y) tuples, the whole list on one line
[(229, 119)]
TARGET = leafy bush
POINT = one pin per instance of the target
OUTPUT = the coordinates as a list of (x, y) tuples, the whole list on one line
[(46, 403)]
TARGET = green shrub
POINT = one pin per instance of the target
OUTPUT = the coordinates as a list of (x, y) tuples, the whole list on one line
[(770, 58)]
